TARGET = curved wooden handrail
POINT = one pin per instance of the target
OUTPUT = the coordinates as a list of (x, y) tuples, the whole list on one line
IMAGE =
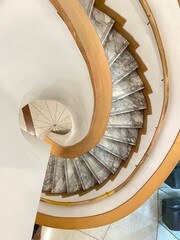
[(92, 51), (152, 184)]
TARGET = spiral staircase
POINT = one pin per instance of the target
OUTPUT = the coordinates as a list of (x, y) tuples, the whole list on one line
[(101, 165), (71, 175)]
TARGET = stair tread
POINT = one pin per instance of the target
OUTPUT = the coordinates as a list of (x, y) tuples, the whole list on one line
[(114, 45), (110, 161), (98, 170), (85, 176), (123, 66), (121, 150), (124, 135), (59, 180), (128, 85), (72, 180), (102, 23), (87, 5), (127, 120), (135, 101), (47, 185)]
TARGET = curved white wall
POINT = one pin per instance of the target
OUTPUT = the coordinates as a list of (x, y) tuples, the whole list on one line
[(133, 12), (37, 47), (39, 59)]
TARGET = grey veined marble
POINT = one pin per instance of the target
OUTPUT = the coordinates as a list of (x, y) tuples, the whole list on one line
[(133, 102), (49, 174), (127, 120), (87, 5), (123, 66), (114, 45), (59, 180), (85, 176), (124, 135), (110, 161), (128, 85), (100, 172), (102, 23), (72, 180), (121, 150)]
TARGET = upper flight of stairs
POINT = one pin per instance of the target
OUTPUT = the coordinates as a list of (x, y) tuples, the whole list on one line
[(128, 102)]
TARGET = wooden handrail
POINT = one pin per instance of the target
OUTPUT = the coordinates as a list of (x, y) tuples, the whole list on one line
[(92, 51)]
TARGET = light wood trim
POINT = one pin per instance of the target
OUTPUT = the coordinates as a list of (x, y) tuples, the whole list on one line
[(28, 120), (152, 184), (92, 51), (125, 209), (119, 22)]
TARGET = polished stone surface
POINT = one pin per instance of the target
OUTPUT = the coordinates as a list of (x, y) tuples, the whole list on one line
[(121, 150), (59, 181), (107, 159), (123, 66), (98, 170), (124, 135), (72, 180), (102, 23), (127, 120), (128, 85), (114, 45), (49, 174), (87, 5), (85, 176), (133, 102)]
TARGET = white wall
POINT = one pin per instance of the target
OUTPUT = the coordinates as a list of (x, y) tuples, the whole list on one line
[(38, 59)]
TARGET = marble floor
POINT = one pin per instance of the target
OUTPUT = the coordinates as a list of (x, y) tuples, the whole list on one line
[(142, 224)]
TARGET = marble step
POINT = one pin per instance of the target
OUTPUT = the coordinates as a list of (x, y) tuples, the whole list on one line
[(128, 85), (127, 120), (133, 102), (100, 172), (47, 185), (85, 176), (114, 45), (72, 180), (121, 150), (110, 161), (87, 5), (123, 66), (102, 23), (124, 135), (59, 180)]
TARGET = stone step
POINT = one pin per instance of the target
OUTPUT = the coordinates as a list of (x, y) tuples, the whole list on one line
[(128, 85), (59, 180), (133, 102), (121, 150), (123, 66), (85, 176), (72, 180), (47, 185), (102, 23), (127, 120), (124, 135), (114, 45), (110, 161), (100, 172), (87, 5)]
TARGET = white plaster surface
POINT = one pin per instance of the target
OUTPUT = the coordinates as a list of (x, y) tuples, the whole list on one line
[(36, 51)]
